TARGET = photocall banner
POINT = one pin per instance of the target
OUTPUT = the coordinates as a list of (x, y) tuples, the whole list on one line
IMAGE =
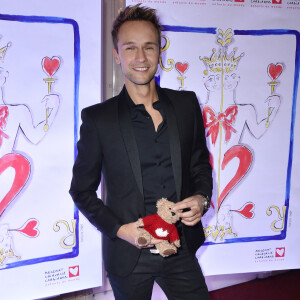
[(49, 70), (241, 57)]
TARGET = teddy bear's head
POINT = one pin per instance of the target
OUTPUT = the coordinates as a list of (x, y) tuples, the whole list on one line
[(164, 210)]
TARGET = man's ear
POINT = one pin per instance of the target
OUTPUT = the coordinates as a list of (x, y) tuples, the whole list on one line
[(116, 56)]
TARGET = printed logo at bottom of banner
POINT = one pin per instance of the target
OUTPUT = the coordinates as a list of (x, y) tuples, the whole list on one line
[(61, 275), (280, 252), (269, 254), (74, 271)]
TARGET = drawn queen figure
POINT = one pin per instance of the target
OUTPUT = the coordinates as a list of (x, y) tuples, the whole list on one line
[(225, 120), (14, 120)]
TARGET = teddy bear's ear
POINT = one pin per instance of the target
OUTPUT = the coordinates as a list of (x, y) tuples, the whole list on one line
[(161, 202)]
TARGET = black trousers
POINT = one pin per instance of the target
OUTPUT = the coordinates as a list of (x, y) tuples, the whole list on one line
[(179, 276)]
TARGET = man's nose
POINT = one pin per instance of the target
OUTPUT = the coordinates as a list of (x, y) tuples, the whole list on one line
[(140, 55)]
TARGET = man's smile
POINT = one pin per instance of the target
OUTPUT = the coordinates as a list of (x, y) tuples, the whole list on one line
[(141, 68)]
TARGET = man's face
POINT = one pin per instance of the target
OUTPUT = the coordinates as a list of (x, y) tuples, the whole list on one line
[(138, 52)]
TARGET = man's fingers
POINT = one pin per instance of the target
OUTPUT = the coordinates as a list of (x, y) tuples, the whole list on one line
[(191, 218), (186, 203), (187, 223), (187, 214)]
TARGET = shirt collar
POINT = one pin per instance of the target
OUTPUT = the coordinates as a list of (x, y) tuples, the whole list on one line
[(157, 104)]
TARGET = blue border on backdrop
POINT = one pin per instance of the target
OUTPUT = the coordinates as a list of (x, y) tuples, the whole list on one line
[(262, 32), (74, 24)]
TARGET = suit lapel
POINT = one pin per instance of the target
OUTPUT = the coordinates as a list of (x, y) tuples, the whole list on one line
[(129, 139), (175, 148)]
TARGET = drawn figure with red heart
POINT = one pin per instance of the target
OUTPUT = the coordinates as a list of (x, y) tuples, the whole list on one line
[(7, 252), (18, 119), (225, 120)]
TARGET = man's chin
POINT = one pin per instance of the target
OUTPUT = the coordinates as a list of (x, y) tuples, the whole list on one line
[(141, 82)]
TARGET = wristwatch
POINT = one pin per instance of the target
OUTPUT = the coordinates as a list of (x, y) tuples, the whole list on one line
[(206, 203)]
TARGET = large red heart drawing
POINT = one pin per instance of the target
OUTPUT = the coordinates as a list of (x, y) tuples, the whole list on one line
[(29, 228), (245, 157), (181, 68), (22, 172), (274, 71), (50, 65)]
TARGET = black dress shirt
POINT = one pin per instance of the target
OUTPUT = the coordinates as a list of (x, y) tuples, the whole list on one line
[(154, 154)]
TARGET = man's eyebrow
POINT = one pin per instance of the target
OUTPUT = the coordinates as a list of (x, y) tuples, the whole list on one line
[(151, 43), (128, 43), (133, 43)]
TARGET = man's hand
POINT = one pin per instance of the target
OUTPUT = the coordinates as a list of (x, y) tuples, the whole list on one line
[(194, 207), (129, 232)]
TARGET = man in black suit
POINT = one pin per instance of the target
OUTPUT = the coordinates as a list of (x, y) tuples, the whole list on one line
[(148, 142)]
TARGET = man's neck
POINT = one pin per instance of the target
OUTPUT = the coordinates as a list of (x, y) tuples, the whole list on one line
[(142, 94)]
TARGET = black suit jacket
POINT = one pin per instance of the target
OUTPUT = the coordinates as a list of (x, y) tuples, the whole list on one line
[(107, 146)]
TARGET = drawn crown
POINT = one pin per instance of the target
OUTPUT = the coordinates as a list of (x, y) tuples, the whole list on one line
[(219, 60)]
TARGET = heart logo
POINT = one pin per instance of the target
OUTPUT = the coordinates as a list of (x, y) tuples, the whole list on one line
[(74, 271), (181, 68), (245, 158), (280, 252), (29, 228), (274, 71), (22, 171), (50, 65), (247, 211), (160, 232)]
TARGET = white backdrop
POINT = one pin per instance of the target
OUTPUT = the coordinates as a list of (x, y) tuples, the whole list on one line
[(49, 70), (245, 75)]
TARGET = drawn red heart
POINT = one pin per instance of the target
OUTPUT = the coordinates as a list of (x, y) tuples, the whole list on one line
[(29, 228), (247, 210), (245, 157), (50, 65), (22, 172), (181, 68), (274, 71)]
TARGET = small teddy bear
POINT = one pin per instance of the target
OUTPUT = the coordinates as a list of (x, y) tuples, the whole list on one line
[(160, 226)]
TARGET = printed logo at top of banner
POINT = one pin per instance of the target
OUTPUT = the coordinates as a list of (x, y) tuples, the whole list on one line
[(239, 0), (74, 271), (276, 1), (280, 252)]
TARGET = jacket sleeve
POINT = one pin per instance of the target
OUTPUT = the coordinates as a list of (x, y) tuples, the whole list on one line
[(87, 177), (201, 171)]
